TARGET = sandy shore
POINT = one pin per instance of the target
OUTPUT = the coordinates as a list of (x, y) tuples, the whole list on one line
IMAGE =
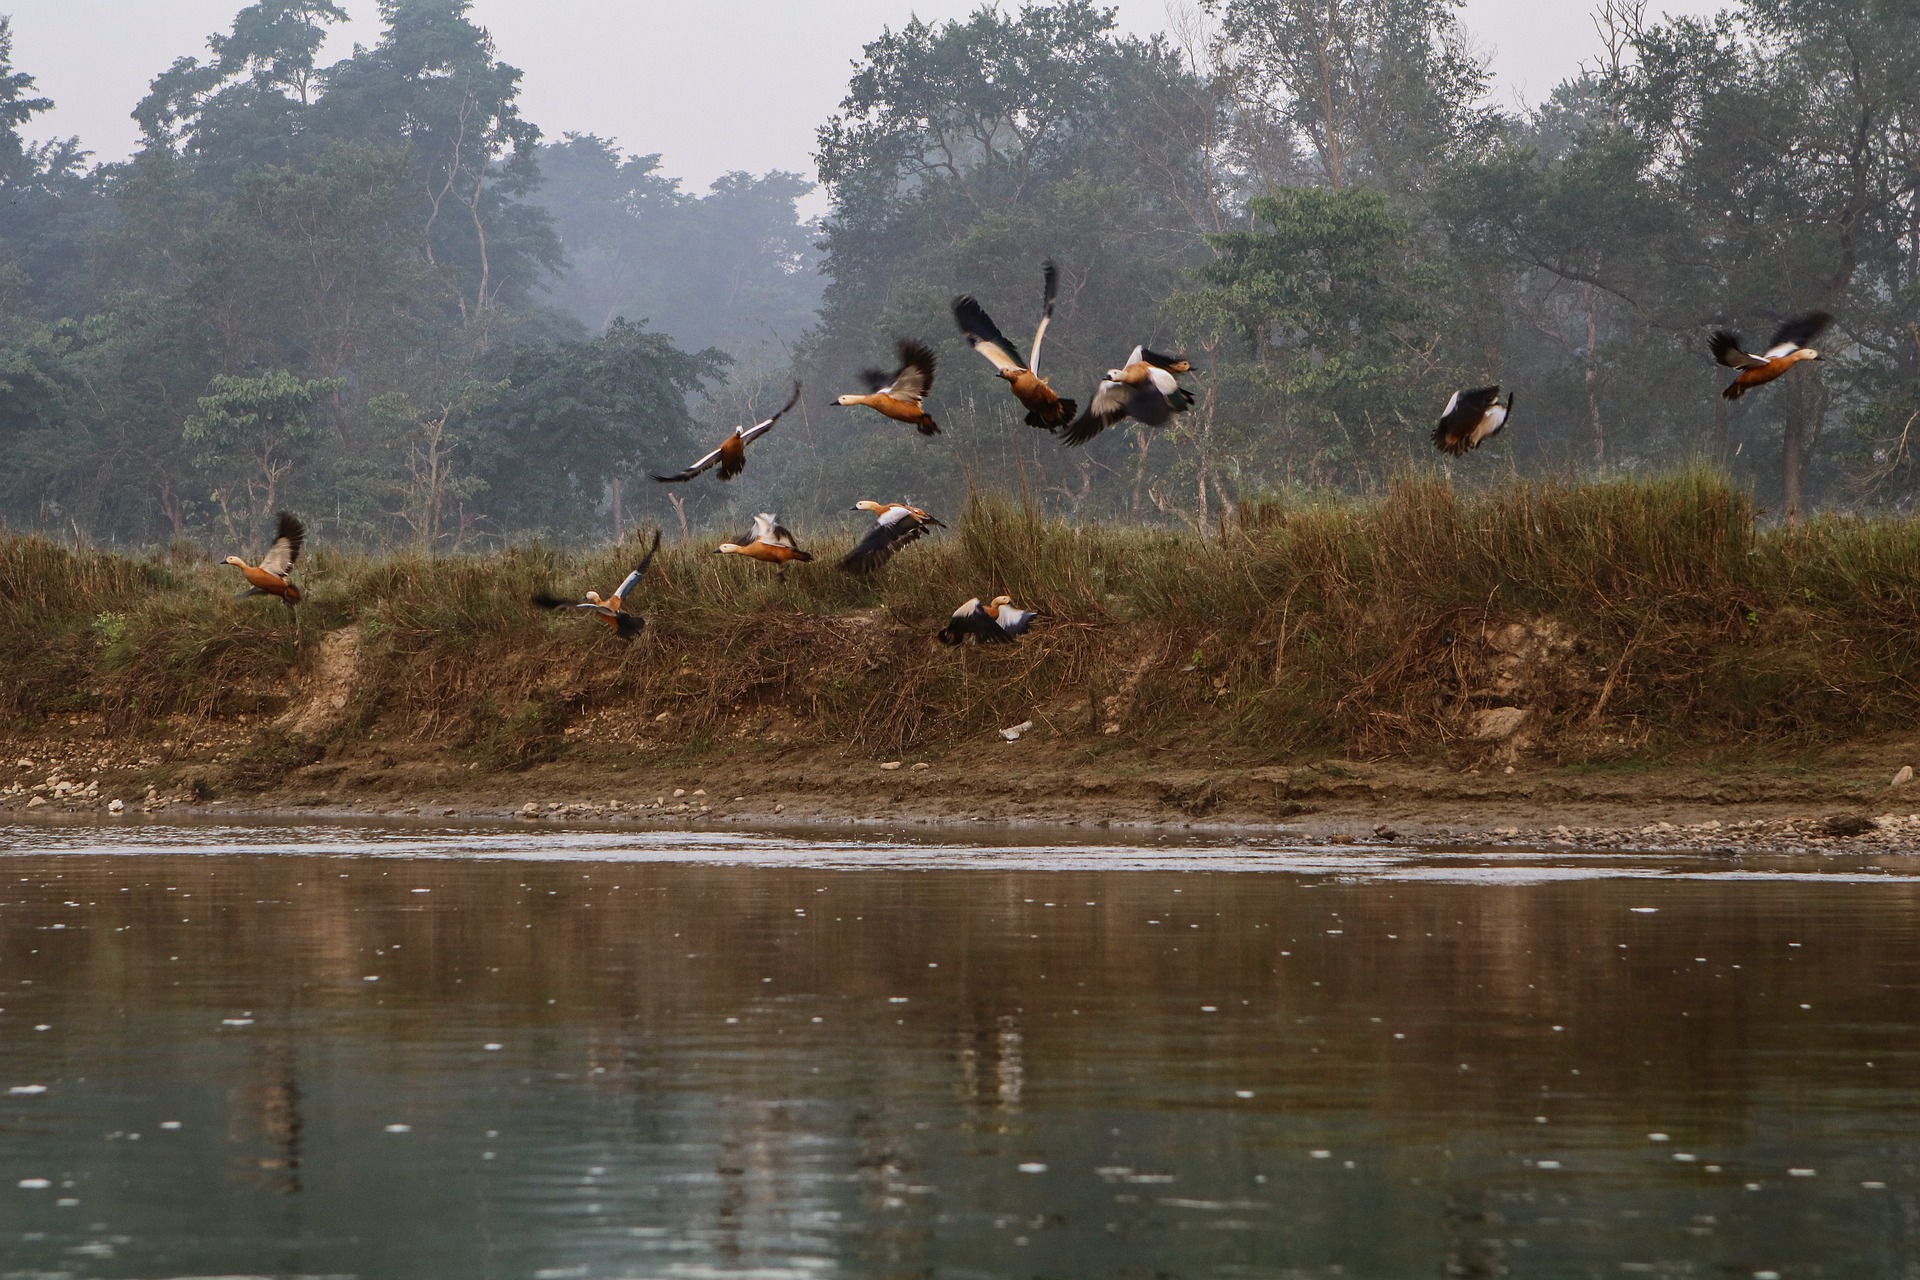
[(1839, 803)]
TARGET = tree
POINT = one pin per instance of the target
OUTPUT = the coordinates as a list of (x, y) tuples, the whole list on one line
[(433, 84), (249, 436), (573, 417), (1380, 91), (1338, 320)]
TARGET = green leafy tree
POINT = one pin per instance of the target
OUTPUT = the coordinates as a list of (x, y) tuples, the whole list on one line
[(573, 418), (249, 436)]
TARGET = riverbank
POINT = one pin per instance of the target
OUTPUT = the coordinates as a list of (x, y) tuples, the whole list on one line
[(1840, 801), (1602, 657)]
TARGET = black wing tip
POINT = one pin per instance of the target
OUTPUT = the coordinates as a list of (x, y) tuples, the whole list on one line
[(672, 479), (1800, 330), (628, 625), (542, 600), (1082, 429), (915, 352), (1172, 364)]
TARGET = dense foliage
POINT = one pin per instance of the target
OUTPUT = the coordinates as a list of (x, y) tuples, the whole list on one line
[(370, 289)]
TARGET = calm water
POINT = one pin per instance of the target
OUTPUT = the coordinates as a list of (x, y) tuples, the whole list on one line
[(388, 1052)]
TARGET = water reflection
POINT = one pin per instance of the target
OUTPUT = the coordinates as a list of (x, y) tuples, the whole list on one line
[(292, 1060)]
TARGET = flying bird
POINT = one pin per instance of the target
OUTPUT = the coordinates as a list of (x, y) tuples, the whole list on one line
[(769, 543), (1143, 389), (995, 623), (269, 577), (1045, 409), (899, 397), (896, 525), (1789, 347), (612, 609), (1470, 418), (732, 453)]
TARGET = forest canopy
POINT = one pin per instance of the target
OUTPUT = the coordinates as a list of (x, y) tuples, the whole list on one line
[(375, 292)]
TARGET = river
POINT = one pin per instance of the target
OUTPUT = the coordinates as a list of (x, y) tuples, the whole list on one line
[(413, 1051)]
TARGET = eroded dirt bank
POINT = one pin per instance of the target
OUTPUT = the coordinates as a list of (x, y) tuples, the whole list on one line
[(1579, 662), (1842, 798)]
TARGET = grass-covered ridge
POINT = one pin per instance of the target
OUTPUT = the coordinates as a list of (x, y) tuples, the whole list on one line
[(1621, 617)]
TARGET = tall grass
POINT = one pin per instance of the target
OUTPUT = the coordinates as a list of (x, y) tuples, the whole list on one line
[(1646, 612)]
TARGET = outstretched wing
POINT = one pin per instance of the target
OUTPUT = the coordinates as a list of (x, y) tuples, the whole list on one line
[(689, 473), (1798, 332), (288, 535), (1726, 349), (1108, 406), (983, 336), (759, 429), (971, 620), (547, 600), (1015, 621), (915, 377), (1454, 434), (1052, 274), (885, 538)]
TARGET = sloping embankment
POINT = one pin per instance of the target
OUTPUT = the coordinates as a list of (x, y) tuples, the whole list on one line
[(1583, 635)]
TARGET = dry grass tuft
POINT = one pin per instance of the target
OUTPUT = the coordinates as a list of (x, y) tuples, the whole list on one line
[(1618, 616)]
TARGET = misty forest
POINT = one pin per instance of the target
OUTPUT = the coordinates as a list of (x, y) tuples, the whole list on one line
[(376, 293)]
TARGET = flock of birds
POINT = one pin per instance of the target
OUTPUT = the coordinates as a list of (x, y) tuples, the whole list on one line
[(1145, 389)]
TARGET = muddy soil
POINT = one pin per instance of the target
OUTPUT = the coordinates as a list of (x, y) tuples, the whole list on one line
[(1842, 797)]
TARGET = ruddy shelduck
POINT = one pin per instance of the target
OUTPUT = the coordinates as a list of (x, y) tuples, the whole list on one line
[(895, 525), (1789, 347), (995, 623), (1045, 409), (769, 543), (611, 610), (1144, 389), (1471, 418), (900, 396), (731, 456), (269, 577)]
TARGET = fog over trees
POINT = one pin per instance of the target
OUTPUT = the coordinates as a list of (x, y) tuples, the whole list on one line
[(375, 292)]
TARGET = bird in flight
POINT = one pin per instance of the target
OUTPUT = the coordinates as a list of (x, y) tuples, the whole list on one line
[(269, 577), (768, 543), (611, 610), (732, 453), (995, 623), (1045, 409), (1471, 418), (896, 524), (899, 397), (1144, 389), (1789, 347)]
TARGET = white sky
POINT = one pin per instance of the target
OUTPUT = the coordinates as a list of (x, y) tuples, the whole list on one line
[(714, 85)]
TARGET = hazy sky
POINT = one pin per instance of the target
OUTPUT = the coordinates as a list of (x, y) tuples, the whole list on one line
[(714, 85)]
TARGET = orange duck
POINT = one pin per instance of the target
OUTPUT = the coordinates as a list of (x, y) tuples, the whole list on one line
[(269, 577), (611, 610), (768, 543), (1045, 409), (1789, 347), (899, 397), (897, 524), (731, 456)]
